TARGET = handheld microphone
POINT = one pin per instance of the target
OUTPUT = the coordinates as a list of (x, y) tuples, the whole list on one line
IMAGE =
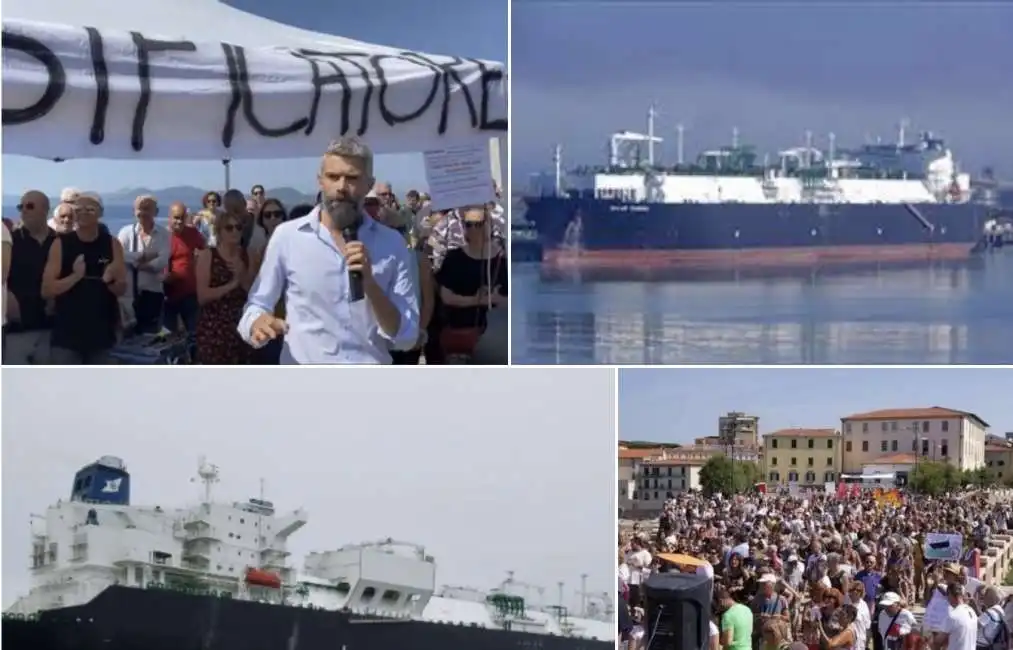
[(356, 291)]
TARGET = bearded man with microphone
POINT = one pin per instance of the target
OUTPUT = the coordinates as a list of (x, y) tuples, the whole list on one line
[(348, 283)]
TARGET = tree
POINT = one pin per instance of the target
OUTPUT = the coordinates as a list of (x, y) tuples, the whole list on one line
[(727, 476), (933, 478)]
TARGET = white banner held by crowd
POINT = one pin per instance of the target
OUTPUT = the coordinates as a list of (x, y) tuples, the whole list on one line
[(84, 92), (459, 176)]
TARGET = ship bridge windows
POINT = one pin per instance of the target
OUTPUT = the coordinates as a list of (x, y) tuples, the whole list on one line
[(368, 594), (391, 597)]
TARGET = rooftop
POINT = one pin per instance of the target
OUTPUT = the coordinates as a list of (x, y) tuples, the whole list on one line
[(802, 433), (639, 454), (929, 413)]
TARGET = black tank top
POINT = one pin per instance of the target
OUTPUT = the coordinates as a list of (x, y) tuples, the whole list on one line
[(87, 315)]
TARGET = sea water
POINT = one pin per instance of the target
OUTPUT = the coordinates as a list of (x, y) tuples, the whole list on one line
[(927, 314)]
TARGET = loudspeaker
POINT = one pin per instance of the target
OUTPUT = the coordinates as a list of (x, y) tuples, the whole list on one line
[(678, 612)]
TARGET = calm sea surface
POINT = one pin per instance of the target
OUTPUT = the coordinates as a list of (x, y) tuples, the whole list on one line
[(942, 314)]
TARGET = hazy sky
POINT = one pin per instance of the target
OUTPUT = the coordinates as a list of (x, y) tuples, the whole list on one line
[(461, 27), (583, 70), (492, 470), (677, 405)]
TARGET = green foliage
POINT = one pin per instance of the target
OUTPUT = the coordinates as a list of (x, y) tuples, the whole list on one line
[(722, 474), (934, 478)]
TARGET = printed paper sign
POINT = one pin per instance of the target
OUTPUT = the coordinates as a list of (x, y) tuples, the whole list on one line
[(947, 547), (459, 176)]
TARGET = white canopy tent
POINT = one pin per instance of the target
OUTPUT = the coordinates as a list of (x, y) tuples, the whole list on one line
[(199, 80)]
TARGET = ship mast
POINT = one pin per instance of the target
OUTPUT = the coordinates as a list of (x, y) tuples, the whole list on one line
[(735, 137), (651, 113), (208, 474), (680, 130), (260, 528), (902, 131), (557, 159)]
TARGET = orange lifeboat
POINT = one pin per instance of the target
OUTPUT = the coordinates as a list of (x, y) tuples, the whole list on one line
[(262, 578)]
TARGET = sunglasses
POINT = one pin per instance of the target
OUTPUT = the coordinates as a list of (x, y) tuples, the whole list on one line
[(232, 228), (25, 206), (273, 214), (474, 224), (258, 192)]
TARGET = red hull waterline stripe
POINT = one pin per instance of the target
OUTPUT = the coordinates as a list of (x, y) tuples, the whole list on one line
[(760, 257)]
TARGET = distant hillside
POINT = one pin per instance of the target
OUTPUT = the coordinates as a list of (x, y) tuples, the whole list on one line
[(647, 444), (189, 195)]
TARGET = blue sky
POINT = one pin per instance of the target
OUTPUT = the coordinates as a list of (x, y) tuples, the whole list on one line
[(772, 70), (463, 27), (678, 405)]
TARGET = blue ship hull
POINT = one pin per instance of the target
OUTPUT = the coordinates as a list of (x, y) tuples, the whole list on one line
[(722, 227)]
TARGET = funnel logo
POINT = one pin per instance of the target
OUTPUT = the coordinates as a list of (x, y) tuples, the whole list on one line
[(112, 486)]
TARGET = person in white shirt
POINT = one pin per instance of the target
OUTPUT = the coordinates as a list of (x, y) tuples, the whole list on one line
[(146, 248), (895, 622), (938, 607), (992, 620), (639, 562), (960, 629), (863, 617)]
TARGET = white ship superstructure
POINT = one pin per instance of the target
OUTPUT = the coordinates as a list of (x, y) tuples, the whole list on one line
[(896, 173), (239, 550)]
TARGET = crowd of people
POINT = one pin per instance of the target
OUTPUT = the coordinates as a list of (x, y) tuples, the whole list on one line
[(822, 572), (244, 279)]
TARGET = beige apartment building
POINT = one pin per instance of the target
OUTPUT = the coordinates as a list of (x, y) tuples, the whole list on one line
[(808, 457), (933, 433), (999, 459)]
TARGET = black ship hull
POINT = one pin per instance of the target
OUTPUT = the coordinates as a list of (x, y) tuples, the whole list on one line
[(123, 618)]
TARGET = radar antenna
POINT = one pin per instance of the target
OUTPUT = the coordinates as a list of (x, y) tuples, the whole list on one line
[(208, 475)]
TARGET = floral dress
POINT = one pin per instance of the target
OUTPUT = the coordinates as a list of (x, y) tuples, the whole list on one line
[(218, 340)]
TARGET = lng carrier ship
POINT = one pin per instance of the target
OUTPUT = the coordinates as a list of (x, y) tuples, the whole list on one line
[(880, 202), (108, 575)]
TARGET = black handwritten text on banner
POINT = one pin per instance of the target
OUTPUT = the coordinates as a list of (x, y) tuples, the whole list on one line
[(246, 100)]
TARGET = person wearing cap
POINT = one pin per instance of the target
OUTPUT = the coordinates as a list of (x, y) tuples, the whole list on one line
[(895, 621), (938, 607), (767, 603), (960, 627)]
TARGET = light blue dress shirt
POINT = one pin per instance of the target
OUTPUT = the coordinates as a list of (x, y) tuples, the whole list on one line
[(303, 264)]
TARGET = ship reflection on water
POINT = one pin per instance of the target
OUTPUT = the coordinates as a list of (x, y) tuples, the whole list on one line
[(957, 313)]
